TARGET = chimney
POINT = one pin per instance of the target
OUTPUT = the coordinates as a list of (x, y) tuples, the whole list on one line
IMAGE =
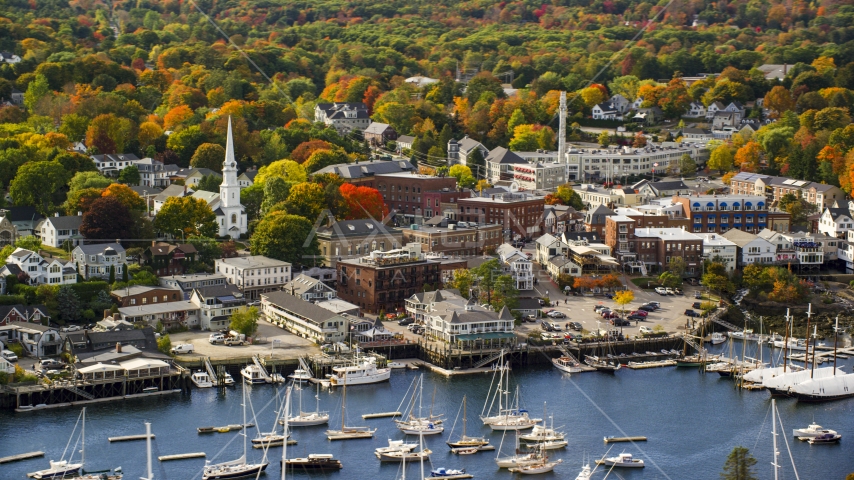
[(56, 214), (107, 313), (118, 347), (79, 213)]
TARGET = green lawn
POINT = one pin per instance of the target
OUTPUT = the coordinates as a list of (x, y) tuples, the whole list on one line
[(56, 252), (644, 281)]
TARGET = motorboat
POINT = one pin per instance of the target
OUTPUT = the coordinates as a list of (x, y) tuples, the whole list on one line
[(718, 338), (253, 374), (308, 419), (623, 460), (395, 446), (315, 462), (825, 438), (554, 444), (201, 379), (365, 371), (227, 379), (542, 434), (58, 469), (824, 389), (395, 365), (300, 375), (585, 473), (813, 430), (567, 365), (449, 474), (238, 468)]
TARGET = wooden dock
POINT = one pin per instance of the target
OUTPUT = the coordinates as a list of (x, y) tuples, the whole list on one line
[(130, 438), (624, 439), (381, 415), (21, 456), (225, 428), (181, 456)]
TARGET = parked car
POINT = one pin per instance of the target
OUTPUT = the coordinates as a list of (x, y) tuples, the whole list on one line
[(216, 338), (406, 321), (636, 316), (546, 326), (556, 314), (605, 312), (599, 308), (691, 313), (50, 364), (641, 313), (532, 317), (645, 330), (670, 291), (696, 305), (232, 341), (678, 291), (9, 356), (610, 314), (556, 327), (609, 295), (698, 294), (619, 322), (183, 348), (575, 326), (653, 304), (572, 337), (661, 290), (71, 328), (646, 308)]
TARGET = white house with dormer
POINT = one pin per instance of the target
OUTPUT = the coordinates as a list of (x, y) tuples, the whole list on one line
[(696, 109), (836, 222), (605, 111), (621, 103), (516, 264), (637, 103), (51, 271), (714, 108), (9, 57), (54, 231)]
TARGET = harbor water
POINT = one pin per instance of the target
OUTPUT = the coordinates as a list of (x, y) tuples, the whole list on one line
[(692, 421)]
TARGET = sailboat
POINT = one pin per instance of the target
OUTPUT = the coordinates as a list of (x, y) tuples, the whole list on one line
[(273, 438), (238, 468), (833, 387), (348, 433), (542, 465), (507, 417), (546, 436), (71, 471), (315, 462), (518, 459), (466, 442), (420, 425), (62, 467), (308, 419), (601, 364)]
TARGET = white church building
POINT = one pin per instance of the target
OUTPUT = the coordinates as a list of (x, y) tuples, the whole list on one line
[(230, 215)]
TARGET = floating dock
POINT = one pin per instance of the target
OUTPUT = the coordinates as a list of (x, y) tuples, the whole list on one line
[(381, 415), (224, 428), (624, 439), (20, 456), (181, 456), (130, 438)]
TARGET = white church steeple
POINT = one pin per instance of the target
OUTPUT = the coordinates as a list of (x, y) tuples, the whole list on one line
[(233, 218)]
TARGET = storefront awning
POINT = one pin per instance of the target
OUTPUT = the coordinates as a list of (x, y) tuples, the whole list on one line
[(468, 337)]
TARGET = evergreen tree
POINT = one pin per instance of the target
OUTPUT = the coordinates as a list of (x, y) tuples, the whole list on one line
[(125, 274), (445, 136), (739, 465), (112, 274), (67, 303)]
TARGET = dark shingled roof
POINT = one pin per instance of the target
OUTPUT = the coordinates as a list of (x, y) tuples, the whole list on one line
[(308, 310)]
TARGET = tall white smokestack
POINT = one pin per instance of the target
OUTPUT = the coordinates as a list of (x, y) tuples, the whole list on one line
[(561, 135)]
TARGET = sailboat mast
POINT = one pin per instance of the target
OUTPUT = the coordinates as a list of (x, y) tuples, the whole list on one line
[(83, 440), (786, 342), (464, 415), (774, 435), (814, 335), (759, 342), (344, 401), (243, 429), (835, 341), (807, 354), (148, 450), (285, 433)]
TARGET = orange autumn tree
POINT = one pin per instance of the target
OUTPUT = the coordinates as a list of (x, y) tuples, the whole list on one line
[(363, 202), (125, 195), (747, 157)]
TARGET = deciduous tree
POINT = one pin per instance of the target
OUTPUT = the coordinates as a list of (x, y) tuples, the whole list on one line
[(245, 320), (125, 195), (130, 175), (107, 218), (188, 216), (210, 156), (721, 159), (39, 185), (286, 237), (306, 199), (363, 202)]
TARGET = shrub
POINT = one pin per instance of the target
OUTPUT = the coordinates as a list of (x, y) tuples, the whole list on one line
[(164, 344), (16, 348)]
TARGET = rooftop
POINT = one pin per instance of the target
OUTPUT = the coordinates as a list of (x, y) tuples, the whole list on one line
[(665, 233), (253, 261)]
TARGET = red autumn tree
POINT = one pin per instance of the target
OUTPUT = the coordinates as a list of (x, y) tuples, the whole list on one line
[(363, 202), (305, 149), (107, 218)]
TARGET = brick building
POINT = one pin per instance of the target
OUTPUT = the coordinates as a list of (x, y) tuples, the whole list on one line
[(719, 213), (166, 259), (519, 214), (444, 202), (354, 238), (145, 295), (455, 240), (403, 192), (382, 281), (655, 247), (774, 188)]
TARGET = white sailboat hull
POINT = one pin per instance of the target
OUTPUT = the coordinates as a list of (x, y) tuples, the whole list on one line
[(536, 469), (783, 383), (517, 461), (307, 420)]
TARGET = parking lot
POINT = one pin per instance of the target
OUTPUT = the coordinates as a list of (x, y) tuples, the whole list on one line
[(286, 344)]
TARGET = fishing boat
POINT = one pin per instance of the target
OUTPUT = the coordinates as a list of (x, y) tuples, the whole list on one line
[(567, 365), (395, 365), (365, 371), (308, 419), (315, 462), (253, 374), (238, 468), (813, 430), (62, 468), (466, 442), (718, 338), (348, 433), (201, 379), (824, 438), (623, 460)]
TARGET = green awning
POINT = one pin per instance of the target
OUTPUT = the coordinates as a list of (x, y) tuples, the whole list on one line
[(485, 336)]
